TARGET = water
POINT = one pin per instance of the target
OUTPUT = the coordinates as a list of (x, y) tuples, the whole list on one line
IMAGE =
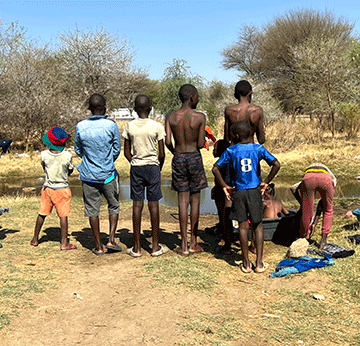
[(13, 186)]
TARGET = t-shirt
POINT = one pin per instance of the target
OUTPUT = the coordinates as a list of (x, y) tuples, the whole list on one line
[(144, 134), (56, 167), (244, 164)]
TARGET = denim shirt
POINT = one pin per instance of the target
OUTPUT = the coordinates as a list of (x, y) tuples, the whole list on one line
[(97, 142)]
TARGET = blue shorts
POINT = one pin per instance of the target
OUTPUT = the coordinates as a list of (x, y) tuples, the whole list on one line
[(148, 177)]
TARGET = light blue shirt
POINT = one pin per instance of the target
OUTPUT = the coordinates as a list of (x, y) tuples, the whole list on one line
[(97, 142)]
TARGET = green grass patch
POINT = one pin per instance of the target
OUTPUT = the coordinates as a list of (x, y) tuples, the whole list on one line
[(189, 272)]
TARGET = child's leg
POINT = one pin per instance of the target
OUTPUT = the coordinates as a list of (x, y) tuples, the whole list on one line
[(194, 222), (95, 229), (38, 225), (137, 211), (183, 202), (113, 221), (155, 221), (259, 244), (243, 231), (64, 235)]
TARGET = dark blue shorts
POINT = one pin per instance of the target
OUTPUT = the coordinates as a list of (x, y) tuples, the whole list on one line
[(148, 177)]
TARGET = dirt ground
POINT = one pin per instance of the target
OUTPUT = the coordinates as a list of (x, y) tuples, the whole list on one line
[(113, 300)]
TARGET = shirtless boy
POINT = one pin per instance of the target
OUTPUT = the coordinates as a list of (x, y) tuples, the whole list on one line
[(245, 111), (272, 208), (188, 176)]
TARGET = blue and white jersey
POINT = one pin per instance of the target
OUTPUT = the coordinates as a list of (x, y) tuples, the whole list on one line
[(244, 163)]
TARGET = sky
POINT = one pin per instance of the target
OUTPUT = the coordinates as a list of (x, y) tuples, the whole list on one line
[(160, 31)]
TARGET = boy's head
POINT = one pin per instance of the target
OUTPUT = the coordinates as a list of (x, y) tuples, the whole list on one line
[(55, 138), (270, 190), (219, 147), (240, 131), (142, 105), (188, 93), (97, 104), (243, 89)]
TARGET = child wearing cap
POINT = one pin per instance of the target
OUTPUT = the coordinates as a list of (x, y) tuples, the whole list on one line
[(57, 165)]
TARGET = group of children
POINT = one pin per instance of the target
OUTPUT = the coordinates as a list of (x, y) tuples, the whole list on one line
[(240, 194)]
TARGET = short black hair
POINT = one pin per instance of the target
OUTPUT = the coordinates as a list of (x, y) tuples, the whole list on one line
[(242, 88), (142, 102), (221, 146), (242, 129), (271, 189), (186, 91), (97, 102)]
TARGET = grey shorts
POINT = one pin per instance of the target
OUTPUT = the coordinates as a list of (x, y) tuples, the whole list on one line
[(247, 204), (93, 192)]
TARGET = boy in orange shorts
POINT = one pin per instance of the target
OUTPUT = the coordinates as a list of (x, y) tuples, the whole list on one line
[(57, 165)]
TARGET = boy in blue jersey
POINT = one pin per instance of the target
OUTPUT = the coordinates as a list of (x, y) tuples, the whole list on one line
[(247, 187)]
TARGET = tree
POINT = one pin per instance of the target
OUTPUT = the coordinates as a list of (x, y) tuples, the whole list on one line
[(321, 67), (267, 55), (243, 54), (97, 61), (178, 73)]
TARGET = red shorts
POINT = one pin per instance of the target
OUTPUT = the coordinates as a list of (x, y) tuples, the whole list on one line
[(60, 198)]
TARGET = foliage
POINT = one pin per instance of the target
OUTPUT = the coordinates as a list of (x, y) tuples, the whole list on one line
[(290, 46), (350, 112), (166, 97), (98, 61)]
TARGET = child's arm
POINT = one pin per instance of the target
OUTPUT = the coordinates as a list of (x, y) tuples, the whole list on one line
[(275, 166), (168, 138), (127, 149), (201, 138), (319, 209), (227, 189), (161, 153)]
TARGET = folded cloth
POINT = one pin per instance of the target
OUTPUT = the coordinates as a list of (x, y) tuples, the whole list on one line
[(336, 251), (300, 264)]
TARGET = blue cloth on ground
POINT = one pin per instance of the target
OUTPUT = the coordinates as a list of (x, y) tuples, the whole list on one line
[(300, 264)]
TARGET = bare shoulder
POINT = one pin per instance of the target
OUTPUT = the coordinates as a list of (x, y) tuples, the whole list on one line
[(254, 109), (230, 109)]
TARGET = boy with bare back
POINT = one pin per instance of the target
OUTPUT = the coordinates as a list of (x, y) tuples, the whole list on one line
[(245, 111), (188, 176), (272, 208)]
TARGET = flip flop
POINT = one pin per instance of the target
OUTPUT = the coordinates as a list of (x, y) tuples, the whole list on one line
[(159, 252), (114, 248), (96, 252), (244, 270), (261, 270), (132, 253), (71, 247)]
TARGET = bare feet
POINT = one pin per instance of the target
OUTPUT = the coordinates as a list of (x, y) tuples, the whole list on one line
[(179, 251), (246, 270), (260, 269), (68, 247), (196, 249), (34, 242)]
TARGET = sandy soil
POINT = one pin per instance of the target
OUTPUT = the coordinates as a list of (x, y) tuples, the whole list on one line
[(113, 300)]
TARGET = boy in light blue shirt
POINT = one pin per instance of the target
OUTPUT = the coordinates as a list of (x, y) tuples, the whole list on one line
[(97, 142)]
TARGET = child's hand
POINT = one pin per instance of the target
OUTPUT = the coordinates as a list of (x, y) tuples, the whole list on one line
[(263, 187), (228, 191)]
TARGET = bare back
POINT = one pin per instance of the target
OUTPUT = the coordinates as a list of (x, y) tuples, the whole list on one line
[(188, 129), (245, 111)]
